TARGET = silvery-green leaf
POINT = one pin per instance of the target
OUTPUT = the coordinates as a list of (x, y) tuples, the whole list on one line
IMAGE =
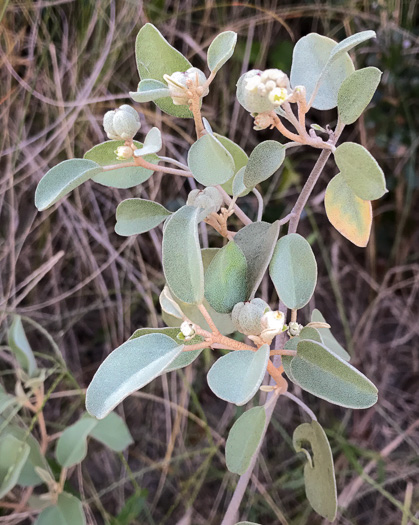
[(149, 90), (28, 476), (169, 305), (247, 523), (328, 338), (319, 472), (13, 455), (155, 58), (67, 511), (134, 216), (244, 438), (239, 157), (104, 155), (221, 49), (207, 125), (360, 171), (6, 401), (257, 242), (225, 278), (128, 368), (306, 333), (238, 189), (293, 270), (72, 444), (324, 374), (264, 160), (237, 376), (20, 346), (112, 431), (62, 179), (152, 143), (356, 93), (350, 42), (185, 358), (182, 261), (210, 162), (310, 64)]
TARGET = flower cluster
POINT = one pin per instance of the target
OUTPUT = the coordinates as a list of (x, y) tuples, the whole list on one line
[(180, 82), (209, 200), (122, 123)]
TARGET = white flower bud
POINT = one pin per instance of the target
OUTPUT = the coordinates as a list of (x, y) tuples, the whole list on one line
[(209, 199), (187, 330), (278, 96), (294, 328), (272, 324), (246, 316), (122, 123), (262, 121), (263, 91), (123, 152), (178, 84)]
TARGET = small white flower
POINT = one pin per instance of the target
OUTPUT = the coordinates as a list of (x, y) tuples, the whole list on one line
[(278, 96), (294, 328), (209, 200), (187, 330), (262, 121), (178, 84), (123, 152), (272, 324)]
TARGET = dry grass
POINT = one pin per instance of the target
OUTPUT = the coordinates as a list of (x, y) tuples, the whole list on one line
[(63, 64)]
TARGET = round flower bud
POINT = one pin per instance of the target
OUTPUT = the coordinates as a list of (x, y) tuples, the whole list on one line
[(123, 152), (262, 121), (178, 84), (122, 123), (187, 330), (209, 199), (294, 328), (248, 92), (247, 316), (272, 324)]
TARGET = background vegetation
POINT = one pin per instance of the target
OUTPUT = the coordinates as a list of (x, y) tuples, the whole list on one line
[(63, 64)]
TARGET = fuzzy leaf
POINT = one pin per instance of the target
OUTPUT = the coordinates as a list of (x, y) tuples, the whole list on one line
[(328, 338), (257, 242), (225, 278), (356, 93), (322, 373), (264, 160), (310, 64), (20, 346), (360, 171), (152, 143), (112, 432), (63, 179), (185, 358), (123, 178), (237, 376), (319, 472), (156, 57), (182, 261), (240, 159), (293, 270), (67, 511), (72, 444), (13, 455), (244, 438), (221, 49), (210, 162), (306, 333), (349, 43), (169, 305), (134, 216), (238, 189), (150, 90), (128, 368), (349, 214)]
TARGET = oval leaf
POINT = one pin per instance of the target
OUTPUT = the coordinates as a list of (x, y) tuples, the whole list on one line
[(221, 49), (67, 511), (72, 444), (324, 374), (244, 438), (20, 346), (62, 179), (257, 242), (310, 66), (349, 43), (306, 333), (104, 155), (134, 216), (293, 270), (13, 455), (356, 93), (237, 376), (210, 162), (225, 278), (169, 305), (350, 215), (182, 261), (328, 338), (112, 431), (149, 90), (128, 368), (319, 472), (156, 57), (264, 160), (360, 171), (240, 159), (152, 143)]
